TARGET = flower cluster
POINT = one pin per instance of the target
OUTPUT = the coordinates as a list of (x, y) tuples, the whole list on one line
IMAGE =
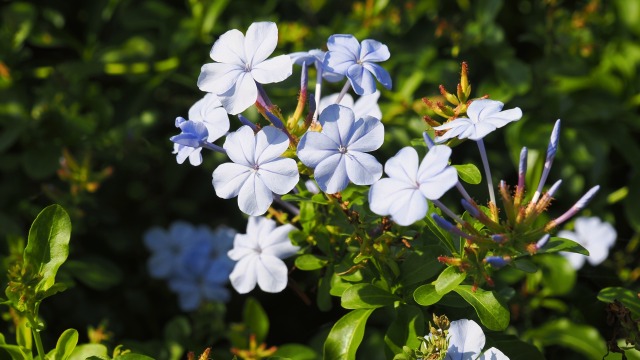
[(192, 260)]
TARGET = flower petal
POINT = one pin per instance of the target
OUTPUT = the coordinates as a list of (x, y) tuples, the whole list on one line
[(347, 100), (280, 175), (270, 144), (372, 50), (241, 146), (362, 168), (361, 79), (493, 354), (156, 239), (466, 340), (331, 174), (273, 70), (434, 187), (244, 277), (380, 73), (228, 179), (278, 243), (272, 274), (367, 134), (315, 147), (392, 197), (403, 166), (261, 40), (367, 105), (209, 110), (434, 162), (219, 78), (338, 62), (337, 122), (344, 43), (254, 197), (478, 109), (241, 96), (229, 48)]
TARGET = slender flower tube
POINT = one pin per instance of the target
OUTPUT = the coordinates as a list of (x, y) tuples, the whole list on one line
[(579, 205), (551, 153)]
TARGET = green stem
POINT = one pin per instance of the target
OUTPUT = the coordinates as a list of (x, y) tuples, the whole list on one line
[(38, 340)]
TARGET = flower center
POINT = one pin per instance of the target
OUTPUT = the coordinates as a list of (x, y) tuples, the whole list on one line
[(342, 149), (256, 167)]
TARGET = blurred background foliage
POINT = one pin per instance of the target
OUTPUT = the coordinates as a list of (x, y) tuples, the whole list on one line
[(89, 91)]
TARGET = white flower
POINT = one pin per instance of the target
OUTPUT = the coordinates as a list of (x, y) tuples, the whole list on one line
[(210, 112), (339, 152), (466, 341), (366, 105), (484, 117), (241, 61), (258, 254), (257, 170), (404, 194), (595, 235)]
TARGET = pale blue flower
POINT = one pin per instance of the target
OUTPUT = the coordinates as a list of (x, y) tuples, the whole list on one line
[(241, 61), (258, 254), (188, 144), (339, 152), (167, 247), (594, 235), (315, 57), (484, 117), (366, 105), (466, 341), (204, 268), (404, 194), (257, 170), (357, 61), (210, 112)]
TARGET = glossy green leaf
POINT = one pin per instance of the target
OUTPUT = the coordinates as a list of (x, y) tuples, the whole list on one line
[(310, 262), (469, 173), (296, 352), (256, 319), (493, 313), (66, 343), (581, 338), (48, 244), (85, 351), (345, 335), (513, 347), (627, 297), (449, 279), (96, 273), (558, 276), (24, 335), (366, 296), (417, 268), (426, 295), (405, 329), (132, 356), (525, 265), (556, 244)]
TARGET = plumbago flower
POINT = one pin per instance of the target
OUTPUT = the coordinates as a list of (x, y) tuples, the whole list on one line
[(404, 194), (484, 117), (257, 170), (466, 342), (595, 235), (258, 254), (208, 122), (357, 62), (241, 63), (188, 144), (338, 153), (366, 105), (167, 247)]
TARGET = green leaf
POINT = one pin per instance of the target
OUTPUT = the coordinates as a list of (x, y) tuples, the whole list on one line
[(581, 338), (469, 173), (556, 244), (366, 296), (132, 356), (24, 336), (97, 273), (627, 297), (449, 279), (513, 347), (345, 336), (256, 319), (417, 268), (525, 265), (48, 244), (405, 329), (493, 314), (66, 343), (310, 262), (16, 352), (426, 295), (296, 352), (323, 297), (558, 276), (85, 351)]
